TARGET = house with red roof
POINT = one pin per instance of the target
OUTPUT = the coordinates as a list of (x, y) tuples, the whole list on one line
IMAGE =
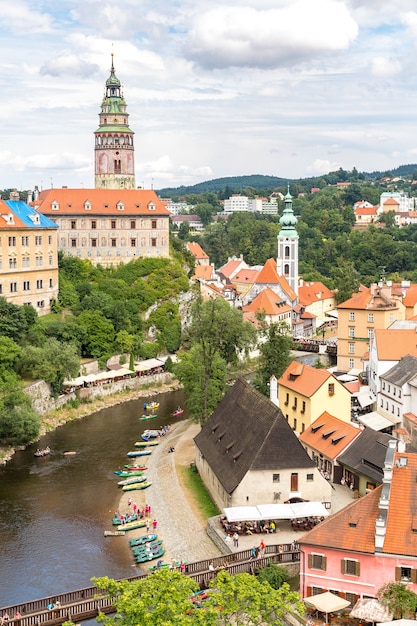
[(200, 257), (316, 299), (369, 543), (271, 307), (303, 392)]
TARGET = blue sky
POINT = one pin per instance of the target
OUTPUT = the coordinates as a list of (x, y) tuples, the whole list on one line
[(291, 88)]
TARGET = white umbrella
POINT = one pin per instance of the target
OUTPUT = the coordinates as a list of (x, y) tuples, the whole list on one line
[(399, 622), (327, 602), (370, 610)]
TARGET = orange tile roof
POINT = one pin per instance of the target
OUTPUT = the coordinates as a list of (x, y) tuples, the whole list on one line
[(268, 274), (230, 267), (196, 250), (366, 210), (365, 300), (393, 344), (103, 202), (266, 302), (410, 297), (307, 379), (353, 528), (308, 293), (391, 201), (329, 435), (246, 276), (203, 271)]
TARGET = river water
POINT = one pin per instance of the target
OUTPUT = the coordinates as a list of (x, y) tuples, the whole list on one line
[(54, 510)]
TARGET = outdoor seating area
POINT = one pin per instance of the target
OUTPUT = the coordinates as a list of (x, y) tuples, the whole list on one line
[(307, 523), (248, 527)]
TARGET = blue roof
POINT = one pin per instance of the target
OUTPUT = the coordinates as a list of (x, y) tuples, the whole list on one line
[(23, 211)]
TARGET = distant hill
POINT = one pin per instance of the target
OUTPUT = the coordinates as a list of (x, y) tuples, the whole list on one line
[(236, 184)]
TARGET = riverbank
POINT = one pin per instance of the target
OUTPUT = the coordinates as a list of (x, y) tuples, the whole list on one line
[(70, 411)]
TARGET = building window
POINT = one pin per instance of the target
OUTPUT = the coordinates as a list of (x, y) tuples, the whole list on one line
[(13, 287), (50, 259), (50, 240), (12, 241), (38, 240), (352, 316), (153, 223), (25, 240), (40, 304), (1, 288), (351, 348), (275, 478), (370, 333), (351, 597), (50, 283), (295, 424), (26, 285), (303, 409), (93, 224), (39, 284), (399, 393), (26, 261), (38, 261), (331, 389), (73, 224), (153, 243), (351, 363), (287, 399), (317, 561), (294, 406), (350, 567), (310, 478), (133, 243), (370, 317), (113, 243), (133, 224), (94, 243), (351, 331), (73, 243), (113, 224), (391, 317), (12, 264)]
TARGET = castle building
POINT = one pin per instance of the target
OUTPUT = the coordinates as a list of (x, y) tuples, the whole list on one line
[(114, 150), (114, 222), (28, 255)]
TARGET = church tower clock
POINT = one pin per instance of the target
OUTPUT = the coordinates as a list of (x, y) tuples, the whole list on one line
[(114, 156), (287, 261)]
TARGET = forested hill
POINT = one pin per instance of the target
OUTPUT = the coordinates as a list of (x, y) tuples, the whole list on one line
[(236, 184)]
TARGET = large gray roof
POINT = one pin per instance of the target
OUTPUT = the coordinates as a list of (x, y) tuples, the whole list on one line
[(402, 372), (248, 432), (366, 454)]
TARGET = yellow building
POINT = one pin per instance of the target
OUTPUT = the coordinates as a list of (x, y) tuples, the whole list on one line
[(107, 226), (28, 255), (359, 317), (304, 392)]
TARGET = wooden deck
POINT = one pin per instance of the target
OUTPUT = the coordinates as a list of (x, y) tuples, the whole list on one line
[(86, 603)]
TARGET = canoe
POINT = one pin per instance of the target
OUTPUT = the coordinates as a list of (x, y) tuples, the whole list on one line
[(154, 568), (129, 518), (135, 453), (177, 412), (131, 480), (150, 434), (142, 549), (43, 452), (127, 473), (135, 468), (131, 525), (149, 417), (150, 556), (144, 444), (151, 405), (113, 533), (141, 540), (135, 486)]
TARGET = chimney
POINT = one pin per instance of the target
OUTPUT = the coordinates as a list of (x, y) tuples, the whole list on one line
[(273, 390)]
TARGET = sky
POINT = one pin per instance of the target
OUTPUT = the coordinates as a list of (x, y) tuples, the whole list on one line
[(289, 88)]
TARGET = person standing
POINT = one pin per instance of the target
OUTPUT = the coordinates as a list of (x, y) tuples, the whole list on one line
[(236, 540)]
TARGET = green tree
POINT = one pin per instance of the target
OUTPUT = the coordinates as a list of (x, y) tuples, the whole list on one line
[(53, 362), (13, 321), (100, 334), (19, 422), (273, 574), (275, 356), (124, 341), (399, 599), (10, 353), (346, 280)]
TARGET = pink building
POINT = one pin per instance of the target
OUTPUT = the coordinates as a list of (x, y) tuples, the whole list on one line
[(371, 542)]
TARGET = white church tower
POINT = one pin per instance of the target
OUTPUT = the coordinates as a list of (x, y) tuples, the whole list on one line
[(287, 261)]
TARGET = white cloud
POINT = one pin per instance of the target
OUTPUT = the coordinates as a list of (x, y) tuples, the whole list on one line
[(384, 68), (52, 161), (68, 63), (18, 17), (322, 166), (244, 36)]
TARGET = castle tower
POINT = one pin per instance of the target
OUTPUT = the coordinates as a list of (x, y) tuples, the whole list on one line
[(287, 261), (114, 156)]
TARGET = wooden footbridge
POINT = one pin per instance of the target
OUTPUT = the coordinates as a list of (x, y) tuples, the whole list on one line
[(87, 603)]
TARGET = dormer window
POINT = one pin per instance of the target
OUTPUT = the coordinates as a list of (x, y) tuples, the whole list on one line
[(55, 205), (35, 218), (87, 205), (120, 206), (151, 206)]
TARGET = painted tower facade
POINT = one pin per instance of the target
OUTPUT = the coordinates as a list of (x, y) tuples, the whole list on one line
[(287, 261), (114, 156)]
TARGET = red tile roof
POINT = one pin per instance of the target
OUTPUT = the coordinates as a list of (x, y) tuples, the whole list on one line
[(102, 201), (246, 276), (393, 344), (269, 275), (308, 293), (267, 302), (330, 445), (307, 379), (196, 250), (203, 271)]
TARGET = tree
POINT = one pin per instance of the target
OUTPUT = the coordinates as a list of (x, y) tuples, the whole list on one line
[(100, 334), (13, 321), (19, 422), (275, 575), (346, 280), (10, 353), (53, 362), (217, 332), (399, 599), (165, 599), (274, 356)]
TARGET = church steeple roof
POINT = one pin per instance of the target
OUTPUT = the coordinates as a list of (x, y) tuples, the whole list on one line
[(288, 220)]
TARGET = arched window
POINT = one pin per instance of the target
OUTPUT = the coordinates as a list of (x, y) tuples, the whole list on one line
[(286, 269), (287, 252)]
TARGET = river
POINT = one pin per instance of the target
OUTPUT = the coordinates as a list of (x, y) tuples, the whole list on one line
[(54, 510)]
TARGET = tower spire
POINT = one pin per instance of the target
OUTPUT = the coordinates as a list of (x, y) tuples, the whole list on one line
[(114, 150), (287, 261)]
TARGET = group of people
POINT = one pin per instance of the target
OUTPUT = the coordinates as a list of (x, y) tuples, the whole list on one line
[(5, 618), (248, 528)]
